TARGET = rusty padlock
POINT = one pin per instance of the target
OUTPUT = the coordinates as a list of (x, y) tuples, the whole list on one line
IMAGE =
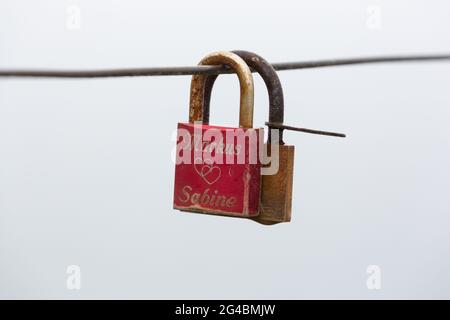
[(276, 192), (216, 170)]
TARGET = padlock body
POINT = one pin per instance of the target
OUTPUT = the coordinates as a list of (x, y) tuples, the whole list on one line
[(276, 189), (217, 173)]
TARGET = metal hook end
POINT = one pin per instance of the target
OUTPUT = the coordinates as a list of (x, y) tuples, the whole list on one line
[(311, 131)]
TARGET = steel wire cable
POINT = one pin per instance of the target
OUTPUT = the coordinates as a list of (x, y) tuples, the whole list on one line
[(210, 70)]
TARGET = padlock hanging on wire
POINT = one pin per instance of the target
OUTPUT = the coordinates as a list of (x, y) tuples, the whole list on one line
[(276, 186), (222, 175)]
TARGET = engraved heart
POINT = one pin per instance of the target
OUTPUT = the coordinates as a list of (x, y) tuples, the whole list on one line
[(210, 173)]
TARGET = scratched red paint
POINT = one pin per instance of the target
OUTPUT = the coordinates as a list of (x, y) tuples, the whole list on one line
[(218, 188)]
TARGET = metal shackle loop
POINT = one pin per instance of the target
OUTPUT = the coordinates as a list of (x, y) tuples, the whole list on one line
[(197, 102), (273, 84)]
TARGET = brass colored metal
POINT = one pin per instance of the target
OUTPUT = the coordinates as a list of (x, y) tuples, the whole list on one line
[(232, 60), (232, 189), (276, 190)]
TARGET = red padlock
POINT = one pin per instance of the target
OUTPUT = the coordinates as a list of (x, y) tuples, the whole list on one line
[(218, 169)]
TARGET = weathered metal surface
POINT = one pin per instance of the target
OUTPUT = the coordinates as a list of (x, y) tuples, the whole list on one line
[(276, 190), (220, 187), (273, 84), (246, 85), (276, 193)]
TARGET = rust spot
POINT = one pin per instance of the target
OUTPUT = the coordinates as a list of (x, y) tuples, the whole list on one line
[(196, 105)]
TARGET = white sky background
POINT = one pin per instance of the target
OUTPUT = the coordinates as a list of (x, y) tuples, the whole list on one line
[(86, 177)]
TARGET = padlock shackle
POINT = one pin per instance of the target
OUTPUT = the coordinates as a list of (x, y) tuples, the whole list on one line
[(198, 82), (273, 84)]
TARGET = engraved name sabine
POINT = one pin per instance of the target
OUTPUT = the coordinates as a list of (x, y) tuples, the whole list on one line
[(208, 198)]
